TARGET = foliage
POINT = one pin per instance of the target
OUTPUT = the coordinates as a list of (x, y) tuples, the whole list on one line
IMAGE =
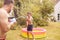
[(40, 11), (1, 3), (21, 21)]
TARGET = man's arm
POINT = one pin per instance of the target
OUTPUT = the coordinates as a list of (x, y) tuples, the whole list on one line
[(4, 24)]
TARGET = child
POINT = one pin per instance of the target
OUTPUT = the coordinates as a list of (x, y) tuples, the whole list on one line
[(29, 23)]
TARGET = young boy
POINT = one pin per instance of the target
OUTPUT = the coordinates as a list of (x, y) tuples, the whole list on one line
[(29, 23)]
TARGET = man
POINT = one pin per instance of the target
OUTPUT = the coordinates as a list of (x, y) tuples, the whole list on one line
[(29, 23), (4, 14)]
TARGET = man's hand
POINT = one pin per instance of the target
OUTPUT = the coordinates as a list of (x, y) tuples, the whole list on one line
[(12, 22)]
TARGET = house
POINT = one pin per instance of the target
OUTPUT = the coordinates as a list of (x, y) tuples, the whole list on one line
[(57, 10)]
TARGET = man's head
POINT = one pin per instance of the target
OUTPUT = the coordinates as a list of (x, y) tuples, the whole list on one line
[(9, 4)]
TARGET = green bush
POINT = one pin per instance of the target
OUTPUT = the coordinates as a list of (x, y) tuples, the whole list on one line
[(38, 21), (1, 4), (21, 21), (40, 11), (42, 23)]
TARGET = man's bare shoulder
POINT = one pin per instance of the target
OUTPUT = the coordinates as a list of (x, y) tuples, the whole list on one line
[(2, 13), (1, 10)]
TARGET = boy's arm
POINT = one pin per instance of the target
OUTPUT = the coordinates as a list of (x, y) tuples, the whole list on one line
[(27, 21)]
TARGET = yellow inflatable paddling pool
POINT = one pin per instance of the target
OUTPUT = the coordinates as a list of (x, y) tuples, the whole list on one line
[(38, 33)]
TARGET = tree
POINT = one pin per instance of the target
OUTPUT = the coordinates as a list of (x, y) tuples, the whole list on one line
[(40, 11), (1, 3)]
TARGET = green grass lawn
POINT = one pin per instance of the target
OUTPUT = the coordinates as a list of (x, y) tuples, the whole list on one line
[(53, 33)]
